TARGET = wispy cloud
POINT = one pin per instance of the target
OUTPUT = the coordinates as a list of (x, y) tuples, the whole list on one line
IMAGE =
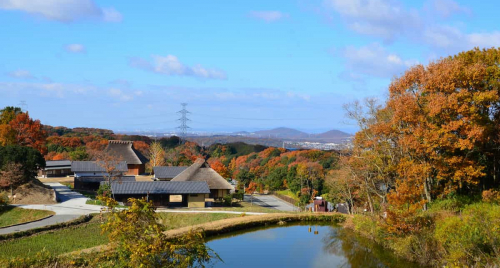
[(170, 65), (372, 60), (23, 74), (446, 8), (381, 18), (75, 48), (268, 16), (63, 10)]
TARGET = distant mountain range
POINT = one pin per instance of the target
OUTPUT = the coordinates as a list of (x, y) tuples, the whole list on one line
[(293, 134)]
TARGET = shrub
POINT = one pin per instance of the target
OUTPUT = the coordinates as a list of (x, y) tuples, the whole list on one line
[(104, 190), (454, 203), (4, 200), (228, 200), (491, 196), (474, 237)]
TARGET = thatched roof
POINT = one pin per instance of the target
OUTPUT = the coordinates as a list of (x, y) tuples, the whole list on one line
[(200, 171), (124, 150)]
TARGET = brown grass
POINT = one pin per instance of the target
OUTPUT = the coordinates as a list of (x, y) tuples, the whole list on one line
[(33, 192)]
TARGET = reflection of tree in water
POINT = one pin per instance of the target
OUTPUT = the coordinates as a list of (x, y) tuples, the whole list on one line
[(360, 252)]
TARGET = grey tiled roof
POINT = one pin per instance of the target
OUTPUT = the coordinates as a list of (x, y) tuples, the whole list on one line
[(160, 187), (167, 172), (102, 178), (57, 163), (96, 166)]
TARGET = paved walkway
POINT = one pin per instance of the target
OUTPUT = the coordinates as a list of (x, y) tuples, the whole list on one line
[(72, 205), (270, 201)]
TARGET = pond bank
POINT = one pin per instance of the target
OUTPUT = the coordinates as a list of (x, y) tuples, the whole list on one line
[(234, 224)]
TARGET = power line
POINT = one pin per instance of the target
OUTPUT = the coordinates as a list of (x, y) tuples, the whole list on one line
[(183, 127)]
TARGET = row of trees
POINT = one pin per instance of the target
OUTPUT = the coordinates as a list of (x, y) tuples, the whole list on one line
[(436, 136)]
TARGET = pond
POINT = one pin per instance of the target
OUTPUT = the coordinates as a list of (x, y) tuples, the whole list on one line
[(297, 245)]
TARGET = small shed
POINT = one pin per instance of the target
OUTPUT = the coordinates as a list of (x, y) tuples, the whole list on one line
[(193, 192)]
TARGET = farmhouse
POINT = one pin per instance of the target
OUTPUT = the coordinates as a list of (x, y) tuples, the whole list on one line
[(167, 173), (56, 168), (124, 151), (193, 192), (200, 171), (89, 174)]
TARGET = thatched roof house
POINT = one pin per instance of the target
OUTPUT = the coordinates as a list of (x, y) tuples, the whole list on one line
[(124, 151), (201, 171)]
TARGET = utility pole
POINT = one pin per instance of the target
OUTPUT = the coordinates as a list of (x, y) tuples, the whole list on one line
[(183, 127)]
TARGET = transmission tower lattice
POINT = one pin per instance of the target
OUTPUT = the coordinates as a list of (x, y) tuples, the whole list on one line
[(23, 105), (183, 127)]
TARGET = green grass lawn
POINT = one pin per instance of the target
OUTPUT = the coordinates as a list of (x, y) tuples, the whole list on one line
[(289, 194), (243, 206), (89, 235), (15, 215)]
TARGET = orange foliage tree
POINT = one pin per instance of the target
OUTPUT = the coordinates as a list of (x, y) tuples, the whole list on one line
[(29, 132)]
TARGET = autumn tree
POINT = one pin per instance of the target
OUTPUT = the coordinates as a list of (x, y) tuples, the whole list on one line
[(137, 236), (220, 168), (11, 175), (29, 132), (8, 114), (156, 155)]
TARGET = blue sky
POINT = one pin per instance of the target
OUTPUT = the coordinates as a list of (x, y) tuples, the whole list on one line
[(240, 65)]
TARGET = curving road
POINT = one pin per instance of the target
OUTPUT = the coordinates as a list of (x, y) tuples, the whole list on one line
[(72, 205), (270, 201)]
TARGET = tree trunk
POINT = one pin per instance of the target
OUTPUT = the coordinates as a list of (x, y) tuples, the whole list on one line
[(427, 192)]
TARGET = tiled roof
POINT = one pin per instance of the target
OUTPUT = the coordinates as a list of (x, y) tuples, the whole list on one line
[(199, 171), (124, 150), (167, 172), (160, 187), (57, 163), (96, 166), (102, 178)]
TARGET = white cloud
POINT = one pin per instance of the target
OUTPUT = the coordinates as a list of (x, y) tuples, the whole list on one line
[(119, 94), (382, 18), (23, 74), (268, 16), (112, 15), (446, 8), (47, 89), (170, 65), (453, 40), (75, 48), (372, 60), (63, 10)]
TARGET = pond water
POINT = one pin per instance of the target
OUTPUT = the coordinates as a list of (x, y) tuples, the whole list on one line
[(300, 246)]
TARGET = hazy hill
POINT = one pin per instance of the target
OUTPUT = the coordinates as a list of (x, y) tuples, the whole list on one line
[(282, 132), (333, 135)]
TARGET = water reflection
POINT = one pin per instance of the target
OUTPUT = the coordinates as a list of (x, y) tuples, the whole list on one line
[(300, 246)]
